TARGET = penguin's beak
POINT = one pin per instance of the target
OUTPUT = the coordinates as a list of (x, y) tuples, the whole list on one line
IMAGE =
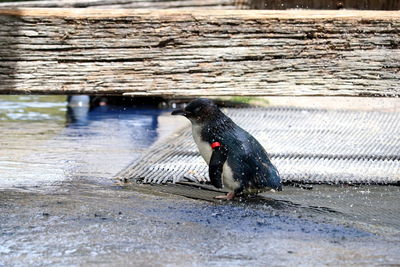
[(179, 112)]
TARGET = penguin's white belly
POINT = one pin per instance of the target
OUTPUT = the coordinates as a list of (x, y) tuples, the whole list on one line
[(227, 178), (204, 148), (206, 152)]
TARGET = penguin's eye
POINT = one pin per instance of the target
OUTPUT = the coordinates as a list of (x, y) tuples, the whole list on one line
[(197, 110)]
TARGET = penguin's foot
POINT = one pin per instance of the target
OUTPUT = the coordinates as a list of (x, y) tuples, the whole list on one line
[(228, 196)]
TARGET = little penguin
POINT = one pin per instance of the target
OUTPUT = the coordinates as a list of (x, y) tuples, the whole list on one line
[(235, 158)]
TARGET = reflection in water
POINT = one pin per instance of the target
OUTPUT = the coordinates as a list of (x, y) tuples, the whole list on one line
[(105, 139), (139, 123), (78, 109), (77, 115), (95, 143)]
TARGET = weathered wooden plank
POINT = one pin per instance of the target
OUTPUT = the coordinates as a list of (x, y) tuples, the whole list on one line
[(136, 4), (326, 4), (203, 52), (215, 4)]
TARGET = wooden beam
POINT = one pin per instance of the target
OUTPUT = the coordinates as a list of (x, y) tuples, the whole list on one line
[(326, 4), (137, 4), (199, 53)]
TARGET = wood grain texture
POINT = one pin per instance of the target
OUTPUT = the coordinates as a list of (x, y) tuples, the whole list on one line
[(136, 4), (200, 53), (326, 4)]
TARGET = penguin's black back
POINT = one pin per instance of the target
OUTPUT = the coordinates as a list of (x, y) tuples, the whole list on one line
[(247, 158)]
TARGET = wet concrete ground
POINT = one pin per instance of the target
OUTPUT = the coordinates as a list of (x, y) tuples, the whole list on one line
[(66, 211), (81, 223)]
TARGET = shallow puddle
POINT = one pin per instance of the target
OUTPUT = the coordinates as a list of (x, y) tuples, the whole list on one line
[(42, 144)]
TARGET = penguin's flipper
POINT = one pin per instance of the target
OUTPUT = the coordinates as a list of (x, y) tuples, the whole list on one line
[(217, 161)]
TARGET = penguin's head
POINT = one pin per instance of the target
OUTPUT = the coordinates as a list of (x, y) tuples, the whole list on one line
[(199, 110)]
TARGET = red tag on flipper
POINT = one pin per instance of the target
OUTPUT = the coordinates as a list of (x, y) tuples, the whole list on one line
[(215, 144)]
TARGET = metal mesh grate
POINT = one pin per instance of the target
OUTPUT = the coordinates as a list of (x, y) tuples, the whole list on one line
[(306, 145)]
